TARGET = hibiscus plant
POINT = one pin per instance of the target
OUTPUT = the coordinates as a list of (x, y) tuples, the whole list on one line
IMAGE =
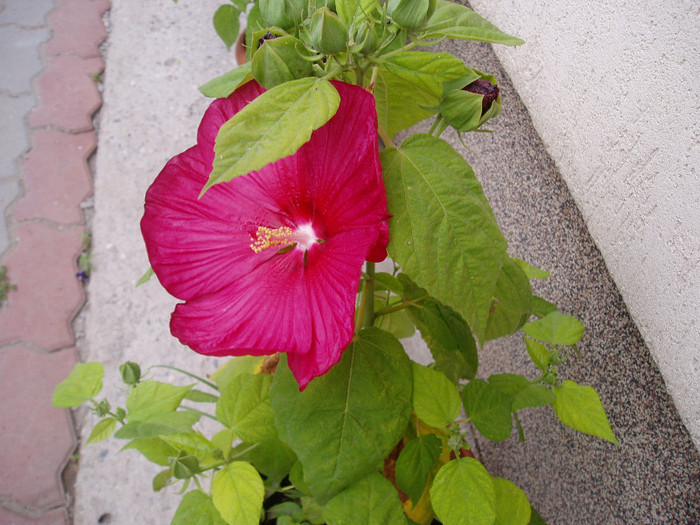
[(268, 230)]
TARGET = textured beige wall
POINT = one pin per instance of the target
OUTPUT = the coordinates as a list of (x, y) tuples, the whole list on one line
[(613, 88)]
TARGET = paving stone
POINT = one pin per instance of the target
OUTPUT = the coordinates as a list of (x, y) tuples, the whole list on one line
[(69, 96), (33, 450), (77, 27), (13, 134), (26, 13), (19, 58), (9, 190), (55, 517), (56, 177), (43, 266)]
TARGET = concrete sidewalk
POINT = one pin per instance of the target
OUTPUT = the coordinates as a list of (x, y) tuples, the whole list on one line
[(50, 62)]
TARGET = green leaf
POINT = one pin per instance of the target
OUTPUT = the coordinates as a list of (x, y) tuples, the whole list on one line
[(349, 10), (512, 506), (273, 458), (244, 407), (159, 425), (153, 449), (457, 21), (152, 398), (556, 328), (386, 281), (512, 302), (371, 501), (222, 86), (397, 323), (82, 384), (532, 272), (579, 407), (409, 82), (201, 397), (104, 428), (538, 353), (274, 125), (533, 396), (245, 364), (145, 277), (445, 332), (414, 464), (435, 398), (441, 218), (488, 409), (541, 307), (193, 444), (238, 493), (535, 518), (160, 480), (463, 494), (197, 508), (226, 24), (348, 420)]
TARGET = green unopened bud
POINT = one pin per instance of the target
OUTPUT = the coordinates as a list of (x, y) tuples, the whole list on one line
[(131, 373), (102, 408), (329, 35), (278, 61), (284, 14), (366, 37), (409, 14), (184, 466), (471, 102)]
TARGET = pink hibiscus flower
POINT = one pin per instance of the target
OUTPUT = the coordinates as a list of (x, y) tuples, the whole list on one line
[(271, 261)]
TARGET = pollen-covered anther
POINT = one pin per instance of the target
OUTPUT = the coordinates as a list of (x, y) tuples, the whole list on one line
[(268, 237)]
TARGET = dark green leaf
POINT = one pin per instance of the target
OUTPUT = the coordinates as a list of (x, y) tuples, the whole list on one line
[(441, 218), (238, 493), (371, 501), (579, 407), (83, 383), (435, 398), (197, 508), (541, 308), (556, 328), (349, 419), (274, 125), (408, 82), (463, 494), (535, 518), (159, 425), (457, 21), (397, 323), (226, 24), (488, 409), (104, 428), (272, 458), (222, 86), (414, 464), (512, 302), (512, 506), (244, 407)]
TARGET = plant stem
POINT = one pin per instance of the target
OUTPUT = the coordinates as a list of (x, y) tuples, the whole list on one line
[(368, 320), (208, 383), (401, 306), (385, 137), (199, 411)]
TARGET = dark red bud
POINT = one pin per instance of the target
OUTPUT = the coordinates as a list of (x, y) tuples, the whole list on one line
[(486, 88)]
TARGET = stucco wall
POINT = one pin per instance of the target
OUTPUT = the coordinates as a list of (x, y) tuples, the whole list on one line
[(612, 87)]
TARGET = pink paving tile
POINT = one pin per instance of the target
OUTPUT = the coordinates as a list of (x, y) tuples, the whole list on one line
[(55, 517), (56, 177), (77, 27), (33, 450), (69, 96), (43, 266)]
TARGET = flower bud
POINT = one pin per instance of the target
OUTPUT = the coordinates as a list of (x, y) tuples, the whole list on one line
[(366, 37), (467, 105), (102, 408), (284, 14), (131, 373), (184, 466), (328, 32), (278, 61), (409, 14), (485, 88)]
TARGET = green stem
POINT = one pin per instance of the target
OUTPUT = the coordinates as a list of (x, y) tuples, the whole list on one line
[(401, 306), (385, 137), (199, 411), (368, 320), (332, 73), (208, 383)]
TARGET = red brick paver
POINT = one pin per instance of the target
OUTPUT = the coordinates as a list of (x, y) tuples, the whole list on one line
[(44, 437), (68, 92), (42, 266), (55, 517), (77, 26), (56, 177)]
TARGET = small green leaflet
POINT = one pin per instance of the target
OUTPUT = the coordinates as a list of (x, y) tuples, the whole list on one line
[(414, 464), (104, 428), (435, 399), (463, 494), (371, 501), (442, 219), (346, 421), (145, 277), (538, 353), (224, 85), (556, 328), (226, 24), (274, 125), (452, 20), (238, 493), (579, 407), (197, 508), (83, 383)]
